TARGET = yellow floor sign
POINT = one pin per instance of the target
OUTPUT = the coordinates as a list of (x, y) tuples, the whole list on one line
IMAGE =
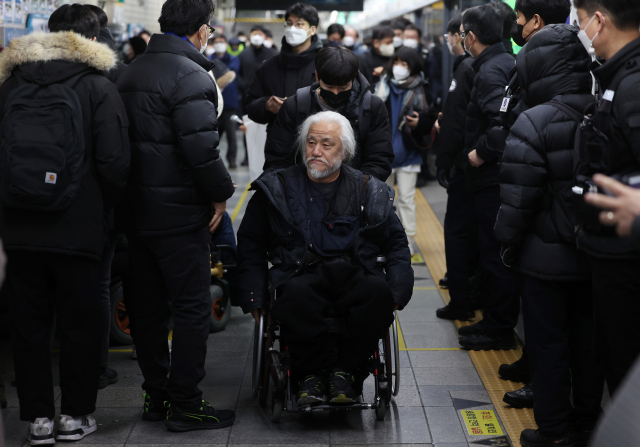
[(481, 422)]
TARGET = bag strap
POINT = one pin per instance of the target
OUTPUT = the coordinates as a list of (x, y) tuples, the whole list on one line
[(364, 117), (303, 97)]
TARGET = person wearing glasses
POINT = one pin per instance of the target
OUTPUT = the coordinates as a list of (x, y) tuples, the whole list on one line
[(281, 76), (175, 199)]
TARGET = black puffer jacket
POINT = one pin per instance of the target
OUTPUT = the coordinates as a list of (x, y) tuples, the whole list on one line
[(492, 69), (374, 153), (250, 59), (369, 61), (536, 174), (176, 170), (268, 227), (281, 76), (80, 229)]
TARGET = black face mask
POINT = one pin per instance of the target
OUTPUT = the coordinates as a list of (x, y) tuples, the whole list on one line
[(334, 101), (516, 34)]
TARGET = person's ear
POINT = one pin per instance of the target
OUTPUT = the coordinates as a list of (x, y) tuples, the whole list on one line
[(93, 39), (538, 23), (601, 21), (317, 78), (313, 30)]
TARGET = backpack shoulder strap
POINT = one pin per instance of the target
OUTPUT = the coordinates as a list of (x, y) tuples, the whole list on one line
[(364, 117), (303, 98), (573, 113)]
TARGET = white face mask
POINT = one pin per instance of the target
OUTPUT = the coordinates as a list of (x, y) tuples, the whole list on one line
[(256, 40), (348, 41), (220, 47), (295, 36), (449, 46), (586, 42), (400, 73), (209, 51), (203, 46), (242, 39), (267, 44), (387, 50), (397, 42), (464, 45), (411, 43)]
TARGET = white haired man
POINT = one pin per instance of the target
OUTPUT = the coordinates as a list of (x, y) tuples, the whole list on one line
[(327, 222)]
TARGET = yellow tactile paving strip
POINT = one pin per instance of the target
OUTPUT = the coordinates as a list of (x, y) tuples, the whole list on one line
[(430, 240)]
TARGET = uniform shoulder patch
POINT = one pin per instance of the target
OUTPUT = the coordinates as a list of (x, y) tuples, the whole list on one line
[(454, 85)]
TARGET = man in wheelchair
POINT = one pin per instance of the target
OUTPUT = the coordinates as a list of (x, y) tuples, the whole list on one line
[(326, 224)]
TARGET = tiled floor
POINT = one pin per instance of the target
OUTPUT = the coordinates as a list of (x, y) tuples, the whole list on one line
[(436, 384)]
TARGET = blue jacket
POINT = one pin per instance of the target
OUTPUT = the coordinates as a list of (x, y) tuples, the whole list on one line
[(230, 94), (403, 156)]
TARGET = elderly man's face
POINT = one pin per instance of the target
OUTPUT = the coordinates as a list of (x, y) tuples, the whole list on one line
[(323, 152)]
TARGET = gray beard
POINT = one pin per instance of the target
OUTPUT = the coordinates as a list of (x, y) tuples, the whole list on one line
[(319, 175)]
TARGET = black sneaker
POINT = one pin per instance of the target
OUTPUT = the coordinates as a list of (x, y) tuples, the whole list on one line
[(487, 342), (518, 371), (449, 312), (154, 410), (109, 376), (341, 384), (522, 398), (204, 417), (312, 390), (444, 282), (472, 329), (533, 438)]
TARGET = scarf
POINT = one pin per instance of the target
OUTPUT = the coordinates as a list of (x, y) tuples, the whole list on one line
[(414, 99)]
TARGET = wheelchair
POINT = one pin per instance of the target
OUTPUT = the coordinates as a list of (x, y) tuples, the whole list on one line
[(271, 368)]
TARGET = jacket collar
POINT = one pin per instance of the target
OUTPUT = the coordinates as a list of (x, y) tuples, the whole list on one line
[(298, 61), (62, 46), (358, 90), (608, 70), (167, 43), (488, 53), (105, 37)]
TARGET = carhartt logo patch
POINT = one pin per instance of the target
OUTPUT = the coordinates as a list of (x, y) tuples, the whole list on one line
[(51, 177)]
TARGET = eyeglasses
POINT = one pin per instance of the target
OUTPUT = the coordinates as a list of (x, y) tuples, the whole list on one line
[(462, 34), (298, 24), (210, 29), (578, 22)]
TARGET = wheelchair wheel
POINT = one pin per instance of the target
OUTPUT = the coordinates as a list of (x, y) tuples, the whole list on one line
[(381, 411), (220, 310), (276, 408), (258, 356)]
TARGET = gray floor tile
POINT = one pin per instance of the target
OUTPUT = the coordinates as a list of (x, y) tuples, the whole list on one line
[(15, 430), (457, 444), (478, 396), (387, 445), (408, 396), (12, 396), (155, 433), (433, 335), (120, 396), (435, 396), (440, 359), (223, 376), (447, 376), (114, 426), (402, 425), (444, 425), (404, 359), (253, 426), (172, 445)]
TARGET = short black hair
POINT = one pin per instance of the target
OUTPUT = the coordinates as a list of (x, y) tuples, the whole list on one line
[(185, 17), (304, 11), (336, 28), (509, 16), (412, 27), (138, 44), (453, 27), (400, 23), (485, 22), (219, 36), (381, 32), (336, 65), (241, 33), (100, 14), (257, 28), (625, 14), (551, 11), (408, 55), (268, 32), (77, 18)]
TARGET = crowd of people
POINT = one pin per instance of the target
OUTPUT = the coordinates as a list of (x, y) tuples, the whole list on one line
[(530, 148)]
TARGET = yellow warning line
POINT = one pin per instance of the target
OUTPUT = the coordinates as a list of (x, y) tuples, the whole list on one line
[(238, 207), (430, 240)]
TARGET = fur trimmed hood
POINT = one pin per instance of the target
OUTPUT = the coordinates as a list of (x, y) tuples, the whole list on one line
[(60, 46)]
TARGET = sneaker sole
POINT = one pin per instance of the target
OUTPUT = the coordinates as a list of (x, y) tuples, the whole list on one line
[(517, 403), (190, 426), (48, 440), (468, 317), (342, 399), (75, 435), (309, 400), (549, 444), (491, 347)]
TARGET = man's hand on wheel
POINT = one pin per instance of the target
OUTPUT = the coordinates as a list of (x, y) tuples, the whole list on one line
[(255, 313), (218, 209)]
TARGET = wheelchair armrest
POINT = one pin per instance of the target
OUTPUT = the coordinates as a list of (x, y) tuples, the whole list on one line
[(381, 260), (233, 262)]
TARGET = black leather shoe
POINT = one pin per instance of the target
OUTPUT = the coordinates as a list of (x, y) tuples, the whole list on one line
[(454, 313), (533, 438), (472, 329), (518, 371), (522, 398), (487, 342), (444, 282), (109, 376)]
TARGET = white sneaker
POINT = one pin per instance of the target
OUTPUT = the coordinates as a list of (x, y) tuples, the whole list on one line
[(41, 432), (74, 429)]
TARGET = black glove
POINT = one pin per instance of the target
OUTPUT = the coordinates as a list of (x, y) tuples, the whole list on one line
[(443, 178)]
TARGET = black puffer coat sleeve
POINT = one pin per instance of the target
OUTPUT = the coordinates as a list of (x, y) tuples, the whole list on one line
[(399, 272), (377, 151), (193, 113), (280, 150), (490, 96), (257, 98), (111, 144), (523, 181), (253, 237)]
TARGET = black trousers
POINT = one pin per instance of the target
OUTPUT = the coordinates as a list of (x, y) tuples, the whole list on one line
[(616, 290), (105, 298), (558, 323), (44, 284), (169, 276), (461, 239), (327, 297), (502, 303), (226, 125)]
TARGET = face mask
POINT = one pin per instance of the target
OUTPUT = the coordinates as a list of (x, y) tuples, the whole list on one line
[(586, 42), (334, 100), (257, 40), (295, 36), (348, 41), (203, 46), (397, 42), (449, 46), (464, 45), (516, 34), (220, 47), (387, 50), (411, 43), (267, 44), (209, 51), (242, 39), (400, 73), (335, 43)]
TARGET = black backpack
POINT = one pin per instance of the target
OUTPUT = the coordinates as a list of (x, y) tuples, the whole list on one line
[(42, 153)]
